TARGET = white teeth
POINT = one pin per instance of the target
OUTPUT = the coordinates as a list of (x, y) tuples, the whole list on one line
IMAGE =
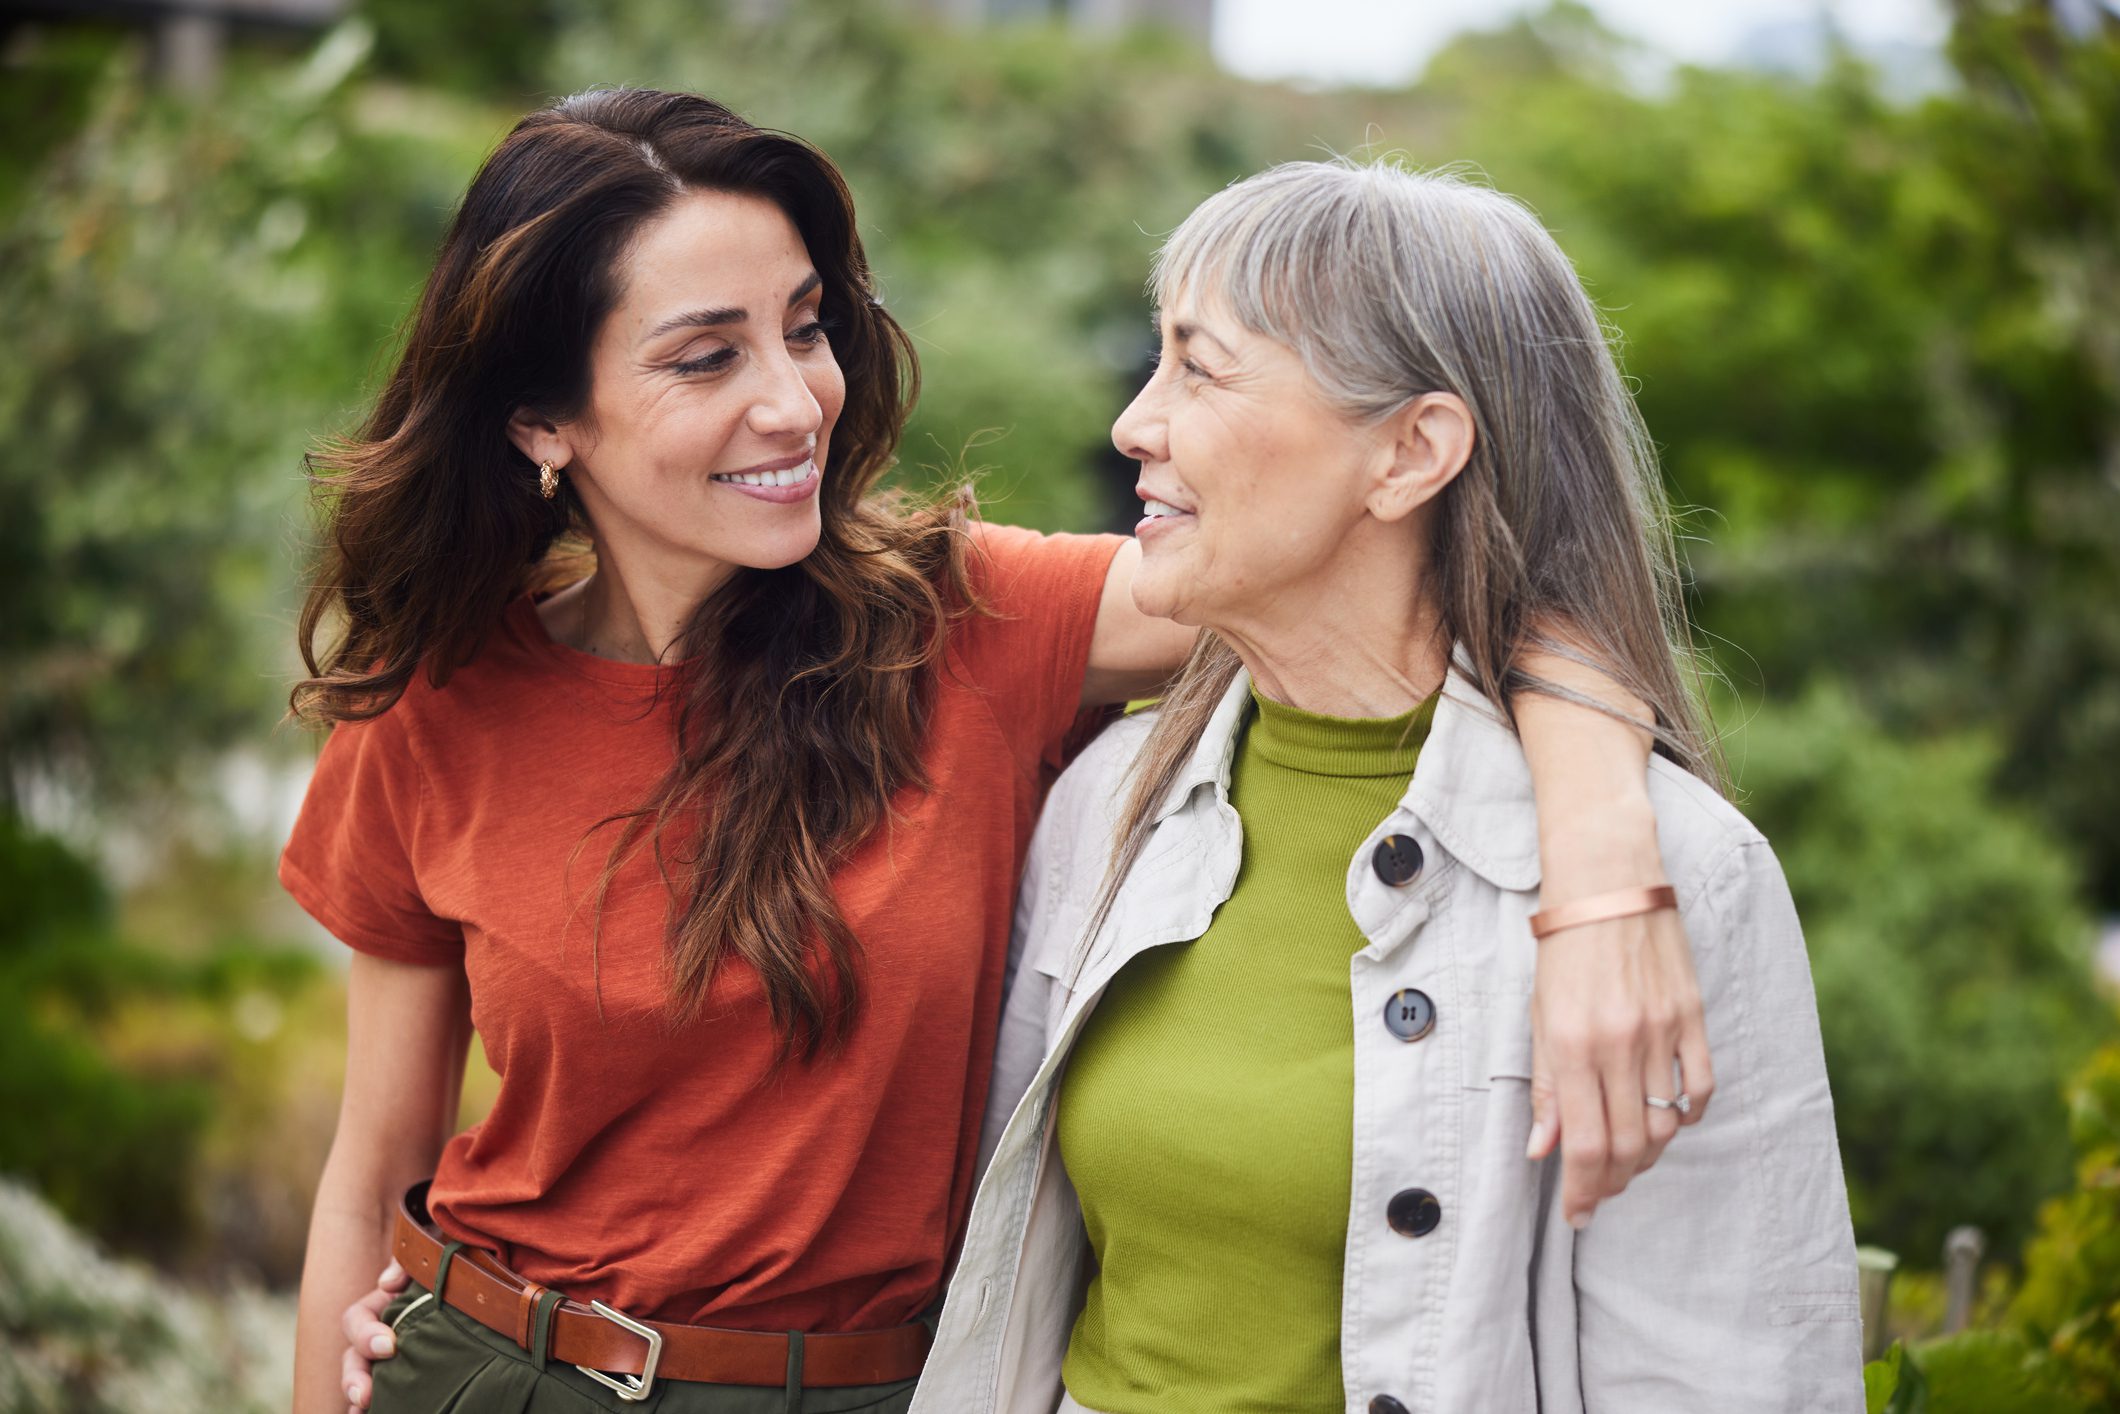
[(792, 476), (1155, 510)]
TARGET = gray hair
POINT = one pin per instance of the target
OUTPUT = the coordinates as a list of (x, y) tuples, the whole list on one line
[(1390, 283)]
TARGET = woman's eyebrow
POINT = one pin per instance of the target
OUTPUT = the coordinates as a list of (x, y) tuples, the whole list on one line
[(726, 314), (697, 319), (1184, 331)]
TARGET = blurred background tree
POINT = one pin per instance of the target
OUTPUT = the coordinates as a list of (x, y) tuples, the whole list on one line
[(1877, 336)]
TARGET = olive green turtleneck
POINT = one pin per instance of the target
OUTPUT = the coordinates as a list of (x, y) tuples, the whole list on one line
[(1206, 1117)]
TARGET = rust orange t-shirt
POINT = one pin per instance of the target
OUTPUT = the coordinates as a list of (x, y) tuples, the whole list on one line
[(676, 1173)]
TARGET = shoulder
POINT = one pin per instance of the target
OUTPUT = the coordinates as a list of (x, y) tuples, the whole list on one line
[(996, 545), (1090, 793), (1073, 841), (1016, 568), (1709, 847), (420, 711), (1071, 848), (380, 758), (1027, 648), (470, 698)]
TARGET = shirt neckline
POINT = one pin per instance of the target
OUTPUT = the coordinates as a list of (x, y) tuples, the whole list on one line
[(1321, 745), (529, 626)]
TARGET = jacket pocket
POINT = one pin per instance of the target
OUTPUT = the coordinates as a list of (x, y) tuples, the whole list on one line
[(1498, 1038)]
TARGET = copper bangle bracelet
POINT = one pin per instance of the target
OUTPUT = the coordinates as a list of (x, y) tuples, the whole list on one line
[(1603, 908)]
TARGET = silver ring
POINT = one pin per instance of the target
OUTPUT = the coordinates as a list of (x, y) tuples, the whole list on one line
[(1682, 1102)]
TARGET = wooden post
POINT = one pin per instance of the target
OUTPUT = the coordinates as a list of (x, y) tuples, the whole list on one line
[(188, 47), (1962, 1251), (1876, 1266)]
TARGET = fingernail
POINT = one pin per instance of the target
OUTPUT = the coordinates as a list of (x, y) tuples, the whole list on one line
[(381, 1345), (1578, 1221), (391, 1273), (353, 1394)]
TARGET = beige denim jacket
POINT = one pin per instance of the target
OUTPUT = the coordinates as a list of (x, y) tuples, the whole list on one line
[(1722, 1281)]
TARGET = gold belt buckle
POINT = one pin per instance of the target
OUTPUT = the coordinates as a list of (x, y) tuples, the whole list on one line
[(632, 1388)]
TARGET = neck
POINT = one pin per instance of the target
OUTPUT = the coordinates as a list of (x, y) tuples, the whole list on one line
[(1359, 639), (630, 614)]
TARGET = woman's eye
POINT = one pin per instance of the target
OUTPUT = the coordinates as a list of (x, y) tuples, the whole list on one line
[(707, 363), (810, 334), (1193, 369)]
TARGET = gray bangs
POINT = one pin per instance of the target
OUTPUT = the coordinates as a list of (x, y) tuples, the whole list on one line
[(1362, 270)]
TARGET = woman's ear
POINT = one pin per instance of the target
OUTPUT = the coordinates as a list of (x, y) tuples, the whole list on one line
[(537, 438), (1428, 441)]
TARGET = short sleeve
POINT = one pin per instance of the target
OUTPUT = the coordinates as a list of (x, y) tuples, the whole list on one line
[(1030, 651), (350, 861)]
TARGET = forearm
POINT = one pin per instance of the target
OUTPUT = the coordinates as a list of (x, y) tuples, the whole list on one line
[(349, 1243), (408, 1030), (1589, 770)]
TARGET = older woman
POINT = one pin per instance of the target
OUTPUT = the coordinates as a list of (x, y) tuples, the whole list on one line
[(1274, 1155)]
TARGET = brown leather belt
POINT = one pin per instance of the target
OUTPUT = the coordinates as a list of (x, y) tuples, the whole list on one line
[(597, 1338)]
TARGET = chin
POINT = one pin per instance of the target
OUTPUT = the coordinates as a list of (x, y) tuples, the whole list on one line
[(778, 551), (1156, 597)]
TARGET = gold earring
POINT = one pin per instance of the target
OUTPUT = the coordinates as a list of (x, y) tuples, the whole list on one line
[(547, 480)]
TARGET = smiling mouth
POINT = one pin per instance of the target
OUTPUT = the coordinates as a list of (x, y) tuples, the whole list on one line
[(786, 476), (1159, 510)]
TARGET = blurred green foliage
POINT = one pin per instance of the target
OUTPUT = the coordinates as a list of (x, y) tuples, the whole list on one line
[(1876, 339), (101, 1141), (2069, 1304), (1977, 1372), (2056, 1350), (121, 1065), (194, 292), (1951, 955), (494, 48)]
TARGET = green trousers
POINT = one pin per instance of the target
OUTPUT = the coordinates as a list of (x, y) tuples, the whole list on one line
[(447, 1363)]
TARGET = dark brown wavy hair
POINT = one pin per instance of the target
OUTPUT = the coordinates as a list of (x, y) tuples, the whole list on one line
[(434, 524)]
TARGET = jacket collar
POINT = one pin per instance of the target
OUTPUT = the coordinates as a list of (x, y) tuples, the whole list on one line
[(1472, 786), (1216, 752)]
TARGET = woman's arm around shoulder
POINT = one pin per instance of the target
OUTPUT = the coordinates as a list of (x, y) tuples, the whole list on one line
[(1615, 1003), (408, 1029)]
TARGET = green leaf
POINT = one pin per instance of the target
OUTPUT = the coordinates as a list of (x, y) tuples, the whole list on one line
[(1893, 1384)]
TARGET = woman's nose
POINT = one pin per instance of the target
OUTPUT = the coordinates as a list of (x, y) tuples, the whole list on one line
[(1139, 431), (785, 406)]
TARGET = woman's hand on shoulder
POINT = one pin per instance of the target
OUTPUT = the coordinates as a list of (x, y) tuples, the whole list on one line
[(1615, 1008)]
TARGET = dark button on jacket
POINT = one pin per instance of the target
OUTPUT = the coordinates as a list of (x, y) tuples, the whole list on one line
[(1410, 1014), (1413, 1212), (1397, 858), (1385, 1404)]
